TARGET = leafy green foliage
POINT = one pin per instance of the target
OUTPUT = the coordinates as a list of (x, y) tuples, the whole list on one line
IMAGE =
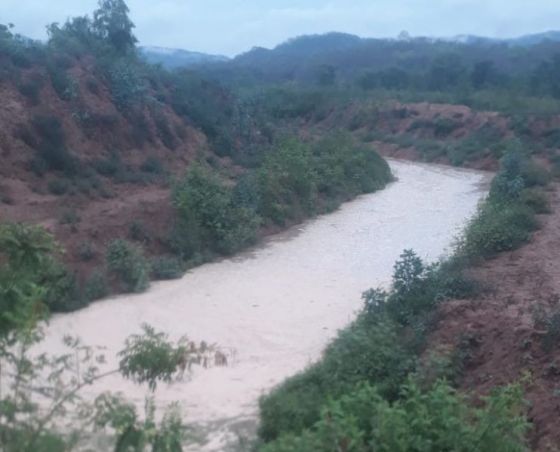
[(497, 228), (64, 420), (536, 200), (345, 169), (165, 268), (150, 358), (287, 181), (52, 145), (208, 217), (96, 286), (506, 220), (127, 264), (111, 23), (435, 420), (25, 255), (138, 434), (360, 353), (126, 83)]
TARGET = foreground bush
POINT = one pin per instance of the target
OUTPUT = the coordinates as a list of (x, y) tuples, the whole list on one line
[(432, 421), (63, 420), (362, 352)]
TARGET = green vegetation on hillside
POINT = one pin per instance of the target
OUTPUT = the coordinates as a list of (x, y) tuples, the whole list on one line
[(295, 181)]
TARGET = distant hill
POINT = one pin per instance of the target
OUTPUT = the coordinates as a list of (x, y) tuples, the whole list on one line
[(178, 58), (525, 40), (533, 39), (343, 58)]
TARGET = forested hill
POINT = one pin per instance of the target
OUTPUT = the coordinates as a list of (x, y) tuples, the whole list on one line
[(424, 63), (178, 58)]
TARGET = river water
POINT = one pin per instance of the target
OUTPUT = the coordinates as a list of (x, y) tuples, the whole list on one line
[(274, 308)]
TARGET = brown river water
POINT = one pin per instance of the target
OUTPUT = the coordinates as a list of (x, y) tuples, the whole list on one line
[(273, 309)]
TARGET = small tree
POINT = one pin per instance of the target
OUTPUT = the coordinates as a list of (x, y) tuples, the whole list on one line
[(111, 22), (41, 409)]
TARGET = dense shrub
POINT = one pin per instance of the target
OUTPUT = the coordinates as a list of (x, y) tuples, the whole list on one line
[(345, 169), (86, 251), (360, 353), (108, 166), (96, 286), (287, 183), (65, 87), (208, 217), (63, 294), (59, 187), (435, 420), (31, 89), (506, 220), (536, 200), (498, 227), (152, 165), (164, 132), (52, 145), (126, 83), (165, 268), (128, 266)]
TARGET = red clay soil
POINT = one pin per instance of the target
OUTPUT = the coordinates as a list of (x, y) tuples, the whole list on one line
[(505, 343), (25, 197)]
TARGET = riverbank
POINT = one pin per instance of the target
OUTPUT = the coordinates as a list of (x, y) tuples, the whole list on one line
[(382, 384), (273, 309), (508, 326)]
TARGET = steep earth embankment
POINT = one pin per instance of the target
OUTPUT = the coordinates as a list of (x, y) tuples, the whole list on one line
[(442, 133), (86, 169), (503, 333)]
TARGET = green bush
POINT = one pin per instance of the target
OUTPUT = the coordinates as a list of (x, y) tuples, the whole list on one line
[(96, 286), (128, 266), (152, 165), (536, 200), (52, 145), (59, 187), (362, 352), (432, 421), (287, 183), (497, 227), (534, 175), (108, 166), (166, 268), (64, 86), (86, 251), (31, 89), (165, 133), (345, 169), (208, 217), (126, 83), (63, 294)]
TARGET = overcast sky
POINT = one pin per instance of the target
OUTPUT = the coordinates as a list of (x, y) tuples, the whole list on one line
[(232, 26)]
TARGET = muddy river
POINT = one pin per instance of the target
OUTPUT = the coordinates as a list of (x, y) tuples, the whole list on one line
[(274, 308)]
